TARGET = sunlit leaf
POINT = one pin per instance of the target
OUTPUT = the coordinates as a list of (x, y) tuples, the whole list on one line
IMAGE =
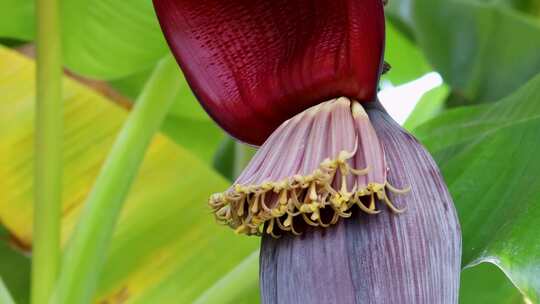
[(165, 235)]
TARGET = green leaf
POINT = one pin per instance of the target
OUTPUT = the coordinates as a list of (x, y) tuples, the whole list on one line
[(203, 139), (483, 49), (224, 158), (486, 283), (5, 295), (185, 117), (17, 19), (240, 284), (14, 269), (109, 39), (131, 86), (407, 60), (165, 235), (457, 127), (186, 105), (498, 211), (102, 39), (232, 158), (488, 157), (531, 7), (429, 106)]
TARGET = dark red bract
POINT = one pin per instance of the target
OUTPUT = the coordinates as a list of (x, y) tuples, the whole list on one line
[(255, 63)]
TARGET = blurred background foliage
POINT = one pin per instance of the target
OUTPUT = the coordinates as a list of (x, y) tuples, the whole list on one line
[(482, 125)]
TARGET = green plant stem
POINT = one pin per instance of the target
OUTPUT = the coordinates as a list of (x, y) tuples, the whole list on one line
[(48, 153), (241, 280), (86, 250), (5, 296)]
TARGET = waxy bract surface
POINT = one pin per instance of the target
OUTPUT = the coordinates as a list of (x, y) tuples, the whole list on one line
[(414, 257), (255, 63)]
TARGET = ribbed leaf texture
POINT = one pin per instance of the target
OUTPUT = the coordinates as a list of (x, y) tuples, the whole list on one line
[(255, 63), (412, 257)]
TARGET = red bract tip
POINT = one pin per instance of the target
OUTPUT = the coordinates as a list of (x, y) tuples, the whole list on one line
[(255, 63)]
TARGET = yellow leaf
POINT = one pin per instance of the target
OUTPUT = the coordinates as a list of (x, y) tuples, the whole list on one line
[(166, 240)]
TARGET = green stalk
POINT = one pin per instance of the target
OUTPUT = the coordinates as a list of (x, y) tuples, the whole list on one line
[(239, 281), (48, 152), (5, 296), (86, 250)]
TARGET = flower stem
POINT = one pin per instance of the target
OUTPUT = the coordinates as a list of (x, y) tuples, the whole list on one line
[(5, 296), (48, 152), (86, 250)]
